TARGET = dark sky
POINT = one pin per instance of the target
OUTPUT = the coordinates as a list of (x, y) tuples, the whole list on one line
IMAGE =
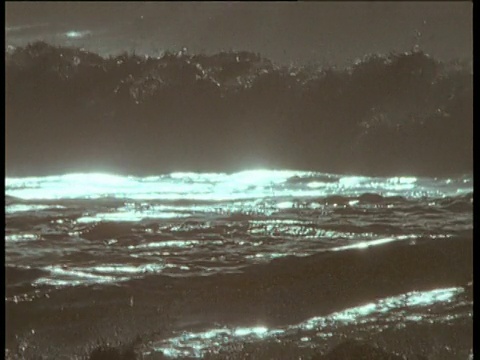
[(333, 32)]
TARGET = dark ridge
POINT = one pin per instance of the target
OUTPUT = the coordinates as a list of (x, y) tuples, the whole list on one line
[(71, 110), (9, 200), (17, 275), (371, 198)]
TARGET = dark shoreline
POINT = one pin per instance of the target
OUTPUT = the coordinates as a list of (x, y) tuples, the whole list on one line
[(285, 291)]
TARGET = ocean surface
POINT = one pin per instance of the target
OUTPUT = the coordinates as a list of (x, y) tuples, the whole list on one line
[(260, 264)]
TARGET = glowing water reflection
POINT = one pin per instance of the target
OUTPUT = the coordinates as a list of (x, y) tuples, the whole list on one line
[(129, 216), (370, 243), (11, 209), (198, 224), (195, 344), (21, 237), (107, 273), (221, 186)]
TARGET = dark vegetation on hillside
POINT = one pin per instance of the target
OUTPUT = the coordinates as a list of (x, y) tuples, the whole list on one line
[(71, 110)]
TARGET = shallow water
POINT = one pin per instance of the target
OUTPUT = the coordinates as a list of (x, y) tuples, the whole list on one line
[(203, 265)]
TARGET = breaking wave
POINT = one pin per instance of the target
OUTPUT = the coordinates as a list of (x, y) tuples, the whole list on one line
[(71, 110)]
